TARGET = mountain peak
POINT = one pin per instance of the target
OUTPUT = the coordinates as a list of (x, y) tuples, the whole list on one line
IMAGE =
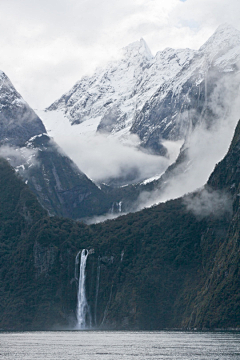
[(226, 31), (225, 27), (225, 37), (138, 49)]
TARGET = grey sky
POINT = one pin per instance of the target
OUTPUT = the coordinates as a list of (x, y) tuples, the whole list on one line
[(47, 45)]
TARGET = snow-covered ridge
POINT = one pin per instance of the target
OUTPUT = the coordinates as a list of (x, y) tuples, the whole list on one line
[(117, 93), (8, 93), (168, 111), (29, 142), (161, 97), (123, 86), (225, 38)]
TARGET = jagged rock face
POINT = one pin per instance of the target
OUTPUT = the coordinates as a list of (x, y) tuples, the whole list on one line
[(114, 94), (18, 122), (60, 186), (176, 94), (161, 97), (196, 93), (228, 180), (221, 270)]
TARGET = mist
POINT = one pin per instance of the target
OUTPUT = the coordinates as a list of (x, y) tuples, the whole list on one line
[(21, 159), (207, 202), (204, 148), (103, 157), (102, 218)]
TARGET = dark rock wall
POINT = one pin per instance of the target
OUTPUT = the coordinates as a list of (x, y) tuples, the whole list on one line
[(163, 267)]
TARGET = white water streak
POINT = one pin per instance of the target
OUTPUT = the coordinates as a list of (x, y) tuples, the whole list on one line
[(83, 310)]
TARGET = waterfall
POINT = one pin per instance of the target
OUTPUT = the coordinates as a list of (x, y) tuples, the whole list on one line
[(120, 206), (112, 209), (83, 310), (116, 207), (97, 289)]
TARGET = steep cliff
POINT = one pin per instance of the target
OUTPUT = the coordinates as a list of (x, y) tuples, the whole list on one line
[(61, 188), (18, 122), (175, 265)]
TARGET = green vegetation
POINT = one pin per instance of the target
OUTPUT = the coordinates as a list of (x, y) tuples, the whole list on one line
[(160, 268)]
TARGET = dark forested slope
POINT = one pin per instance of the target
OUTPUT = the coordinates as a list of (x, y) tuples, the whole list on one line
[(175, 265)]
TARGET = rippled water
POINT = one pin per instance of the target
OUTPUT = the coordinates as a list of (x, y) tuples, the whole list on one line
[(86, 345)]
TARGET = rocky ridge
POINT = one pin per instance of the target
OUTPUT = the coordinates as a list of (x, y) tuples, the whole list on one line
[(196, 94), (177, 95), (120, 90), (18, 122), (156, 97), (60, 186)]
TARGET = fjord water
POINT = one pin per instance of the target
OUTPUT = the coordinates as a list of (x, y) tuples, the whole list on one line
[(108, 345)]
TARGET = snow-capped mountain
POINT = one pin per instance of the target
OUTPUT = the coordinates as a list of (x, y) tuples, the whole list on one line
[(158, 98), (179, 96), (152, 96), (190, 98), (196, 94), (116, 93)]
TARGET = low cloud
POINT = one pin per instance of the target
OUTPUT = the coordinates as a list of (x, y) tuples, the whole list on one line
[(102, 218), (21, 159), (103, 157), (205, 147), (208, 202)]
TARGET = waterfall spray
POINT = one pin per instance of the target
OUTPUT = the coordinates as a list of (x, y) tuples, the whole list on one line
[(83, 310), (120, 206)]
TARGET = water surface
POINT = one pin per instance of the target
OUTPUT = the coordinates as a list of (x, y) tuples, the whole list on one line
[(107, 345)]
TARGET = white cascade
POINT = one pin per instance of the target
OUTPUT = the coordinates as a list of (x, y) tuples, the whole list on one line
[(120, 206), (112, 209), (83, 309)]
